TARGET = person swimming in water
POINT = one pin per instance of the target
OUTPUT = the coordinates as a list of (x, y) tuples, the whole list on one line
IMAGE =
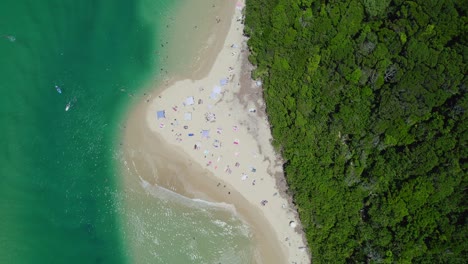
[(59, 90), (10, 38)]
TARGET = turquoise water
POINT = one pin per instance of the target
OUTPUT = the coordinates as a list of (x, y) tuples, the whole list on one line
[(59, 197), (56, 167)]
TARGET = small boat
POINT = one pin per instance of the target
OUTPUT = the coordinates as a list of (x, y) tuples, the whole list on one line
[(68, 106), (58, 89)]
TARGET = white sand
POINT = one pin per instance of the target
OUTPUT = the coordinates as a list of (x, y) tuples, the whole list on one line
[(236, 135)]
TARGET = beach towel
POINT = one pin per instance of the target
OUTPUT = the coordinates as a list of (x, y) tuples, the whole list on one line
[(189, 100), (223, 81), (240, 5), (161, 114), (205, 133), (217, 89)]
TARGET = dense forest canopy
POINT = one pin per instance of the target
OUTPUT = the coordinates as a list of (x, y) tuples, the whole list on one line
[(367, 101)]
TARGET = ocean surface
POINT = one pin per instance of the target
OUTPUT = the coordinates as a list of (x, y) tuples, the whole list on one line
[(60, 198)]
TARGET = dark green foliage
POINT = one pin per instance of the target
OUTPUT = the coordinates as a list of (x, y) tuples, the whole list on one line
[(368, 103)]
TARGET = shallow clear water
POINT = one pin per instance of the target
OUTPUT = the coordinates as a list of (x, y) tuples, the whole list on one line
[(59, 199), (164, 227)]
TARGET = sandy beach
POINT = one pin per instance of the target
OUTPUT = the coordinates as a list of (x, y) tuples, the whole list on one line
[(209, 130)]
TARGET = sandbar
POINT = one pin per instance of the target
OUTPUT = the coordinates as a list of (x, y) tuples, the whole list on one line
[(207, 136)]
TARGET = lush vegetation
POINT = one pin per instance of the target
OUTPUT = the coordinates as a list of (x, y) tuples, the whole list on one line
[(368, 104)]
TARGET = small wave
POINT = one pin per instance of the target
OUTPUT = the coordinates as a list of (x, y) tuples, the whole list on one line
[(168, 195)]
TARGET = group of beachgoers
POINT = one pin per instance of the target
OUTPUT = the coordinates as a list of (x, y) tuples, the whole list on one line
[(198, 115), (211, 140)]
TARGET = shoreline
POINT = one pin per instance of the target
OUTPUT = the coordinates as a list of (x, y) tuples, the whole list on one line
[(238, 135)]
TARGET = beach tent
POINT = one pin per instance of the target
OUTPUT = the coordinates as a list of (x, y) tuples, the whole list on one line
[(189, 101), (205, 133), (188, 116), (161, 114), (223, 81)]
